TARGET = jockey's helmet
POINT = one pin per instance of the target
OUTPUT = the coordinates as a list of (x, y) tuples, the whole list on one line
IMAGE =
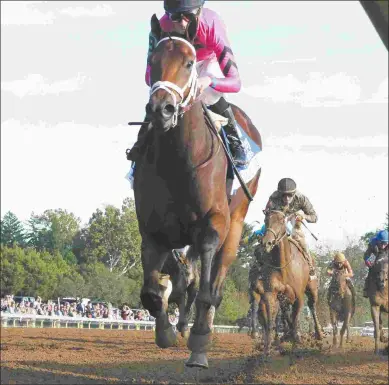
[(382, 236), (287, 186), (176, 6), (339, 257)]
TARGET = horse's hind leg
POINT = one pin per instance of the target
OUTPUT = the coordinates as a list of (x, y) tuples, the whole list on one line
[(191, 295), (312, 294), (155, 293)]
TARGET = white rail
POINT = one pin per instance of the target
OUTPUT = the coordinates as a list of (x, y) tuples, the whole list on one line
[(39, 321)]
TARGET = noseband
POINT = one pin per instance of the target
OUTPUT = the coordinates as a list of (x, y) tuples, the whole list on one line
[(169, 87)]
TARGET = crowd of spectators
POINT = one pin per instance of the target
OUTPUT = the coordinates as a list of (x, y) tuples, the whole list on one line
[(72, 308)]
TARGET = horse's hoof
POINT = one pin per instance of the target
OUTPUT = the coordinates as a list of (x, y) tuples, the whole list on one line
[(197, 360), (255, 335), (165, 338)]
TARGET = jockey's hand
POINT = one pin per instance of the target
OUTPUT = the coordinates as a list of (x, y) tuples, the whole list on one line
[(300, 215), (203, 83)]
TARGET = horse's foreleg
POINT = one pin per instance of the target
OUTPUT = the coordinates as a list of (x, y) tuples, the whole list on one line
[(382, 337), (375, 315), (155, 293), (254, 315), (296, 309), (334, 323), (345, 328), (312, 294), (207, 243)]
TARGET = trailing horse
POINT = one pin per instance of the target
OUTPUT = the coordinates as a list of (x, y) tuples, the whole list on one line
[(341, 302), (377, 290), (180, 190), (285, 277)]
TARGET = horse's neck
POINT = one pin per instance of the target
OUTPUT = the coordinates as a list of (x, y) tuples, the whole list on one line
[(285, 253), (188, 144)]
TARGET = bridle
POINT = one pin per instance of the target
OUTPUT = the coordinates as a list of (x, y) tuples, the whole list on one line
[(169, 87), (277, 239)]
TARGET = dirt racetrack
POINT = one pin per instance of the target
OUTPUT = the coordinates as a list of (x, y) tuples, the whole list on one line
[(79, 356)]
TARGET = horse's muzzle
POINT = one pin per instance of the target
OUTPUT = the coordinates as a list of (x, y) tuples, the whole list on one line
[(161, 114)]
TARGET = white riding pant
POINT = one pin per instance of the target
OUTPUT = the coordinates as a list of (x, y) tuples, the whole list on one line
[(210, 67)]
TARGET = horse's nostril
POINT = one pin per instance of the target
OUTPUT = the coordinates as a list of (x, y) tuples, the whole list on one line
[(168, 110)]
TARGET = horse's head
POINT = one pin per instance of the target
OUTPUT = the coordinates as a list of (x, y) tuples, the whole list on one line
[(275, 222), (380, 272), (173, 74)]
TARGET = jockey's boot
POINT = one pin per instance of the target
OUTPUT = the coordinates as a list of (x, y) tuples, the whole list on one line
[(231, 130), (134, 153)]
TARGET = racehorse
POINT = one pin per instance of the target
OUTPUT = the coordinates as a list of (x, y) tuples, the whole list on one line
[(341, 302), (377, 290), (180, 190), (184, 280), (285, 276)]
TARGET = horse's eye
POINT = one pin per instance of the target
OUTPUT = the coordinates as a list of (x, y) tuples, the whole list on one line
[(189, 64)]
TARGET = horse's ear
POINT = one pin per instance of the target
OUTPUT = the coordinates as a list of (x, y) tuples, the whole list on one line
[(191, 29), (156, 29)]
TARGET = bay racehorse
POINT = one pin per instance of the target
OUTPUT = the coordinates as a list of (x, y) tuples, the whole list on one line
[(285, 278), (180, 190), (377, 291)]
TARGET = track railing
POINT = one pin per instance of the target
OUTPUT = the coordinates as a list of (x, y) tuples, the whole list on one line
[(40, 321)]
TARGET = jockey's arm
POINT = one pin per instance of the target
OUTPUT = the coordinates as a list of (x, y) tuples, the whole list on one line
[(309, 212), (349, 270), (220, 44)]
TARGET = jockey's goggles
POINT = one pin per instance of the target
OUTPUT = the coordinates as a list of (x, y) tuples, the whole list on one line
[(179, 16), (289, 195)]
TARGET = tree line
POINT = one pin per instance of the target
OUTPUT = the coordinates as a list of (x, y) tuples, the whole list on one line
[(52, 255)]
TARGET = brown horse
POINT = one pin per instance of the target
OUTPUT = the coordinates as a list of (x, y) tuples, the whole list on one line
[(184, 282), (377, 289), (285, 278), (341, 302), (180, 190)]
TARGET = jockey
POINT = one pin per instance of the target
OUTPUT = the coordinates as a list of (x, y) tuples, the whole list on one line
[(297, 207), (340, 264), (216, 66), (377, 245)]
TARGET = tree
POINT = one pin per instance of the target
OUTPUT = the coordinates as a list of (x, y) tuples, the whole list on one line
[(12, 230), (54, 230), (112, 237)]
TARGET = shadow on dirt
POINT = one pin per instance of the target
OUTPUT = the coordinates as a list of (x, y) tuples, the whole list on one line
[(31, 372)]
